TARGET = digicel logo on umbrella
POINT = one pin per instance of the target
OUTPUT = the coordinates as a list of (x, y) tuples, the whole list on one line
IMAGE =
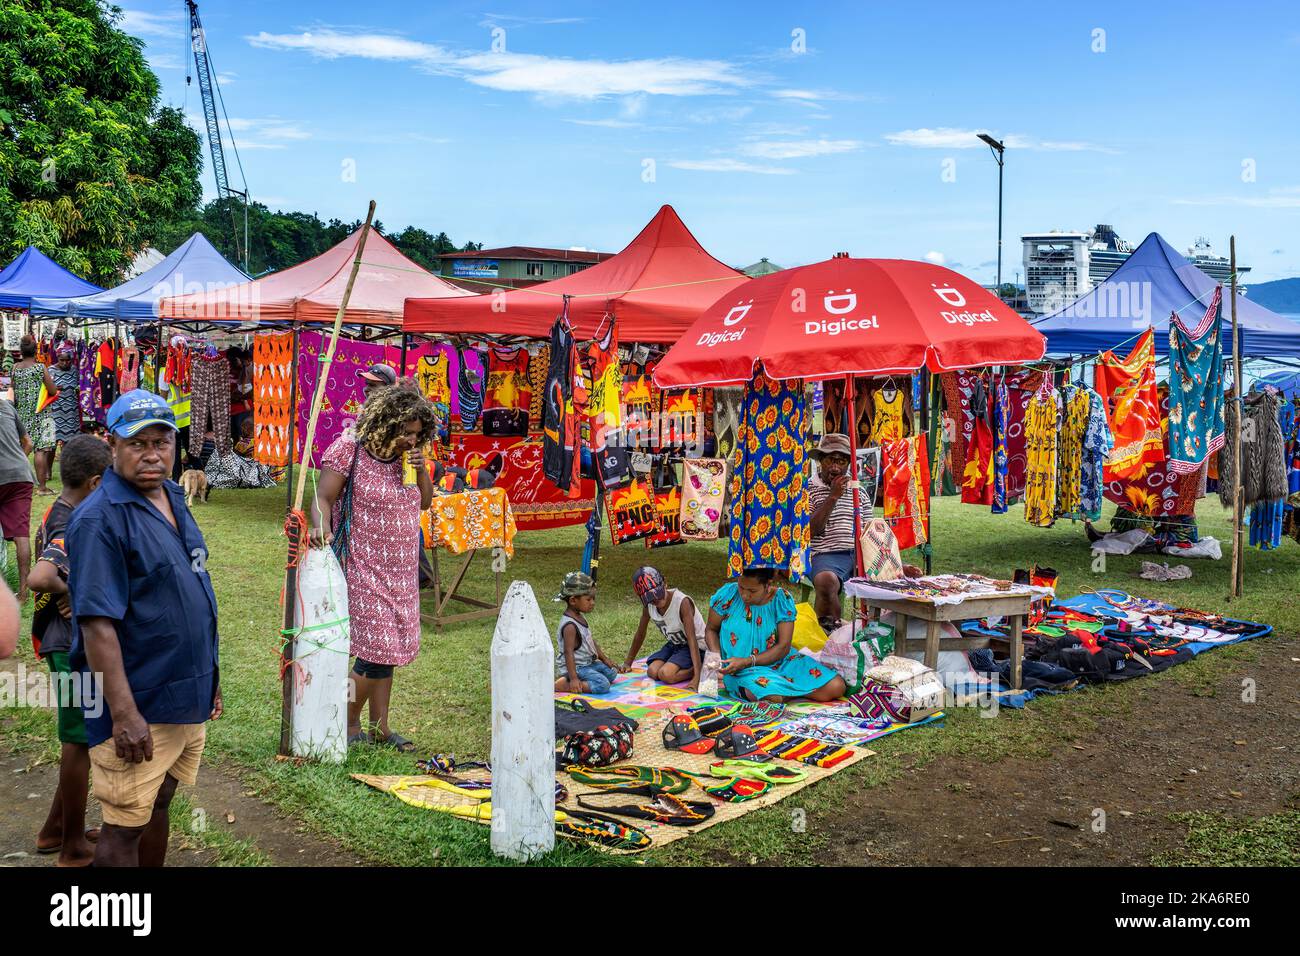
[(954, 298), (734, 317), (839, 303)]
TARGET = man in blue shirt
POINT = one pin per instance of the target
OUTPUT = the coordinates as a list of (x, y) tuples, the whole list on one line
[(147, 629)]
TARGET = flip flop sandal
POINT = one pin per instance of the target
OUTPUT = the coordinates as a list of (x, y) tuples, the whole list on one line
[(632, 779), (751, 770), (355, 740), (398, 742), (92, 837), (664, 808)]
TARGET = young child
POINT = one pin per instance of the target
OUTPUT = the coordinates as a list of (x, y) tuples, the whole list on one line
[(84, 461), (678, 620), (581, 667)]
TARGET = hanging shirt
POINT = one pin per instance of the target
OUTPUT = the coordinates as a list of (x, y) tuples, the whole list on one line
[(604, 408), (559, 418), (1040, 450), (887, 416), (432, 377), (507, 380)]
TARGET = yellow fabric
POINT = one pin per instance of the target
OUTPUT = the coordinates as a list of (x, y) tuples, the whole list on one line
[(808, 631), (180, 405), (470, 520), (887, 417), (431, 376)]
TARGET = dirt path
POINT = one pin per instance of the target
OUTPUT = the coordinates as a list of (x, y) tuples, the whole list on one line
[(1176, 750), (26, 790)]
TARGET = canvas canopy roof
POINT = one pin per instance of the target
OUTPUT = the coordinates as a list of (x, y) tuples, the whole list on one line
[(311, 291), (192, 267), (33, 273), (1153, 282), (655, 288)]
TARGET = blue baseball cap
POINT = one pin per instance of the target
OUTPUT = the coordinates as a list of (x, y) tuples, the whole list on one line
[(139, 409)]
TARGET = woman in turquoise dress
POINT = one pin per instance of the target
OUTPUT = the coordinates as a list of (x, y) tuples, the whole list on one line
[(751, 624)]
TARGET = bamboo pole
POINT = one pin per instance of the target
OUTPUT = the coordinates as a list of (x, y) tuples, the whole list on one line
[(290, 574), (1238, 492)]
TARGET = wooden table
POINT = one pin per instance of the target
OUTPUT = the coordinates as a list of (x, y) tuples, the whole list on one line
[(442, 598), (1015, 607)]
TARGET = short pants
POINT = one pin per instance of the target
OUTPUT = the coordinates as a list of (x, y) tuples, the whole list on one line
[(72, 721), (128, 790), (598, 676), (373, 671), (679, 655), (16, 510), (839, 563)]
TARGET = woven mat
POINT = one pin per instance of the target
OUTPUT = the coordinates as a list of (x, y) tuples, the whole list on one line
[(650, 752), (637, 695)]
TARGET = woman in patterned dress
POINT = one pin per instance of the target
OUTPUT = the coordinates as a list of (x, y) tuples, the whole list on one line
[(751, 624), (66, 409), (372, 520), (28, 377)]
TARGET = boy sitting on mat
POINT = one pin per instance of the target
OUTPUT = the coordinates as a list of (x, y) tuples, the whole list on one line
[(581, 667), (678, 620)]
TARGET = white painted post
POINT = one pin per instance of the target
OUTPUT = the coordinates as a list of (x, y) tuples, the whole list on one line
[(523, 729)]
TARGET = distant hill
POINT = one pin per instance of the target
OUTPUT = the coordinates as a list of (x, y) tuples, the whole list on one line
[(1282, 295)]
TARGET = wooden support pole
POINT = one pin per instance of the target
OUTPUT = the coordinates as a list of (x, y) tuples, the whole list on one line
[(291, 573), (1238, 492)]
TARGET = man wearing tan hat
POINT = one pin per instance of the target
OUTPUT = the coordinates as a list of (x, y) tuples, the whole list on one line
[(832, 546)]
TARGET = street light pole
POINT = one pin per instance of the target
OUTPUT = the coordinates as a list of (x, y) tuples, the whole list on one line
[(997, 149)]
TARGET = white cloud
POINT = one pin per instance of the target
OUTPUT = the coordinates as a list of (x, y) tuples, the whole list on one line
[(947, 137), (546, 76), (728, 166), (938, 258), (1286, 197), (796, 149), (164, 61), (142, 23), (609, 123), (225, 79), (269, 132), (720, 114), (492, 19)]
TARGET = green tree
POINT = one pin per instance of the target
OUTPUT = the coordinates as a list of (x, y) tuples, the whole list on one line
[(89, 163)]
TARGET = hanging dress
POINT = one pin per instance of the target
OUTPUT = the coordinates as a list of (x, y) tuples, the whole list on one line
[(28, 384), (272, 397), (769, 510), (604, 409), (66, 409), (1040, 451), (1196, 389), (469, 386), (906, 490), (560, 434), (1128, 387), (887, 416), (1075, 409)]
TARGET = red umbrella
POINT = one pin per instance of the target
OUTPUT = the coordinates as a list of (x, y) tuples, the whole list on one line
[(849, 316)]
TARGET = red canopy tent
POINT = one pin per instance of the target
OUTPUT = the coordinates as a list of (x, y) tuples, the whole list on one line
[(655, 288), (311, 291)]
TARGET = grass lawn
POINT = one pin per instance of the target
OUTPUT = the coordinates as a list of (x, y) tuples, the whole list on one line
[(442, 700)]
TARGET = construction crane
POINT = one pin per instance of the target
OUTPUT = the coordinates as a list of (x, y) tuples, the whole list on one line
[(210, 92)]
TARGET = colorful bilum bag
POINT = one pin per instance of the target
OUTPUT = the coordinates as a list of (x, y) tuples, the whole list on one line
[(874, 700), (881, 560), (632, 513), (703, 488), (597, 748)]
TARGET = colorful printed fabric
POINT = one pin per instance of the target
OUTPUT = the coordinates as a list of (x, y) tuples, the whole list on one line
[(957, 411), (769, 510), (538, 368), (640, 404), (1040, 450), (1075, 408), (750, 630), (382, 567), (907, 490), (887, 417), (879, 547), (1128, 387), (604, 408), (91, 406), (272, 398), (1196, 404), (632, 512), (343, 396), (470, 381), (1154, 491), (977, 479), (507, 380), (65, 409), (560, 435), (471, 520), (703, 488), (29, 384), (1001, 419), (1097, 443), (668, 510)]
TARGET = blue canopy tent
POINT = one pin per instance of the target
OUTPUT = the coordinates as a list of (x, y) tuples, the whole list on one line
[(1152, 283), (34, 273), (194, 266)]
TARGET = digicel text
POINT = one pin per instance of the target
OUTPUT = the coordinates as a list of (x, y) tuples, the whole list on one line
[(968, 318), (841, 325), (717, 338)]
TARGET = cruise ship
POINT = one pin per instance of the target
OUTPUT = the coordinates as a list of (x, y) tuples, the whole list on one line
[(1061, 266)]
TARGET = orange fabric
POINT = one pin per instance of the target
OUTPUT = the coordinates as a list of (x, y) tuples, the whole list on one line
[(907, 490), (470, 520), (1128, 389), (272, 368)]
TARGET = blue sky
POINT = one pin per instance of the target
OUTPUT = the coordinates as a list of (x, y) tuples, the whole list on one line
[(774, 130)]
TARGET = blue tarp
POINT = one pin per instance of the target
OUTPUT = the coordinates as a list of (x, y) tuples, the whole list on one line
[(194, 266), (34, 273), (1152, 283)]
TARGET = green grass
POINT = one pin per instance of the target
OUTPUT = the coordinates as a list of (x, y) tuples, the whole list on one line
[(191, 829), (442, 700), (1215, 839)]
